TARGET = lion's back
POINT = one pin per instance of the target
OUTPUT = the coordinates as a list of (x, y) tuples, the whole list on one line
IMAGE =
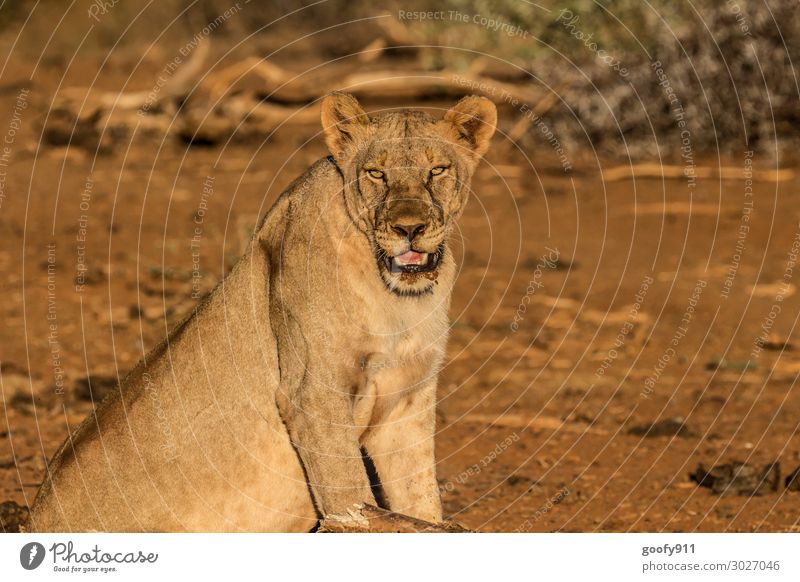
[(193, 441)]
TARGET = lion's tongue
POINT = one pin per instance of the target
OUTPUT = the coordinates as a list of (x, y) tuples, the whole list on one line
[(411, 258)]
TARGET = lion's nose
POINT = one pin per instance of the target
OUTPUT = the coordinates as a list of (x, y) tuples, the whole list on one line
[(409, 231)]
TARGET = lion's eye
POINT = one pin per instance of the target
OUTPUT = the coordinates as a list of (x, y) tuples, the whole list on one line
[(438, 170), (377, 174)]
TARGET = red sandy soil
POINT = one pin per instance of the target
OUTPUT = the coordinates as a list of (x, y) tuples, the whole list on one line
[(531, 436)]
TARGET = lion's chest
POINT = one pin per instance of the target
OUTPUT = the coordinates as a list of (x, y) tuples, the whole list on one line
[(408, 332), (402, 352)]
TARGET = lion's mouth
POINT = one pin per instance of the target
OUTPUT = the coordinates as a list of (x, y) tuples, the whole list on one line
[(413, 262)]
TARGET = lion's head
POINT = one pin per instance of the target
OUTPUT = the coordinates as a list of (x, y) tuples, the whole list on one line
[(406, 179)]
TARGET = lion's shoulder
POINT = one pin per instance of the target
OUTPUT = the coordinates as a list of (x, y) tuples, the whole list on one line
[(309, 190)]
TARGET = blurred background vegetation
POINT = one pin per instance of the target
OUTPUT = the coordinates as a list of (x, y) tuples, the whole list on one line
[(730, 62)]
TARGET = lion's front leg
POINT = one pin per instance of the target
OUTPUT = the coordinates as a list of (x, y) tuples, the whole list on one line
[(316, 408), (321, 430), (401, 447)]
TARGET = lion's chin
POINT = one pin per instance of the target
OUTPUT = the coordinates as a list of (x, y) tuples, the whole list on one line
[(411, 284)]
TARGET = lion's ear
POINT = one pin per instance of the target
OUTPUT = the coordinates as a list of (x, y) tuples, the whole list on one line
[(473, 119), (342, 122)]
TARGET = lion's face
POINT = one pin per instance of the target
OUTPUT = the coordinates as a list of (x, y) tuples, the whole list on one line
[(407, 180)]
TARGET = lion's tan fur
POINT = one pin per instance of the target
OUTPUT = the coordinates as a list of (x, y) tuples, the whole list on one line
[(252, 416)]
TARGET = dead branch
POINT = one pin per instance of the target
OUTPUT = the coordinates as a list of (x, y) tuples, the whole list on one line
[(275, 83), (94, 119), (522, 126), (655, 170), (377, 520)]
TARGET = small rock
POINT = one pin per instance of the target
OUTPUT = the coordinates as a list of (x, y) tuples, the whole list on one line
[(770, 290), (669, 427), (564, 265), (93, 275), (714, 402), (68, 155), (732, 365), (12, 517), (582, 418), (118, 316), (774, 342), (94, 388), (516, 479), (21, 391), (147, 312), (724, 513), (16, 385), (736, 478), (12, 368), (793, 480)]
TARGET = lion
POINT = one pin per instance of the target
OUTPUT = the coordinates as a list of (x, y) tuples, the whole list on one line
[(315, 358)]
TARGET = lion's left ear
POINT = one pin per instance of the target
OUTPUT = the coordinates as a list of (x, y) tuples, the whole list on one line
[(343, 120), (473, 119)]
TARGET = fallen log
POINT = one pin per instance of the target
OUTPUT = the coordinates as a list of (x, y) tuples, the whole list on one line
[(241, 116), (275, 83), (370, 519), (254, 96), (95, 119), (656, 170)]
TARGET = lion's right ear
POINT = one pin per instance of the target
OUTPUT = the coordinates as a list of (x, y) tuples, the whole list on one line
[(343, 122)]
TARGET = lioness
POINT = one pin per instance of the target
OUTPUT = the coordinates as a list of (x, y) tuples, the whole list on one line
[(324, 341)]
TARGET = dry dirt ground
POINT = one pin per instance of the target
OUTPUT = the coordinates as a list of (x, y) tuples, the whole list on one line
[(583, 310)]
